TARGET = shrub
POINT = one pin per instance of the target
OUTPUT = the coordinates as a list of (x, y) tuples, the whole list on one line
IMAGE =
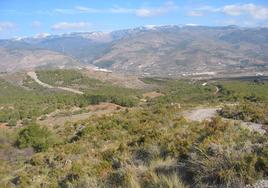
[(144, 155), (152, 180), (40, 138), (12, 122), (96, 99), (118, 178), (228, 168), (253, 112)]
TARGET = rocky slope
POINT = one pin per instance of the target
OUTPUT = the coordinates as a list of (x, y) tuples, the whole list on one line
[(157, 51), (17, 59), (176, 50)]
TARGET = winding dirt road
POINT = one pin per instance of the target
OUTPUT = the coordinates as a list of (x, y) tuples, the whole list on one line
[(201, 114), (35, 78)]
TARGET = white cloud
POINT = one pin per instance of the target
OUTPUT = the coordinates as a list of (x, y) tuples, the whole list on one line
[(64, 11), (141, 12), (7, 26), (36, 24), (257, 12), (83, 9), (254, 11), (191, 24), (71, 26), (120, 10), (148, 12), (207, 9), (77, 10), (42, 35), (232, 10)]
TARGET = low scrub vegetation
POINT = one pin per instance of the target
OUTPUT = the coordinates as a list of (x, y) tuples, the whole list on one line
[(151, 145), (147, 148), (248, 111), (40, 138), (18, 104)]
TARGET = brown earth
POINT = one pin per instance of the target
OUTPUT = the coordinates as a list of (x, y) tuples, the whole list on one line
[(152, 94), (117, 79), (94, 110), (201, 114)]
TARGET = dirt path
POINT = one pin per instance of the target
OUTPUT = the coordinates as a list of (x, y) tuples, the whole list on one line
[(201, 114), (35, 78), (152, 94), (249, 125), (217, 90), (72, 118)]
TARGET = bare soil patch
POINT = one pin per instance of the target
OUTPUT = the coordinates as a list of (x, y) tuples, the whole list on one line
[(152, 94), (94, 110), (200, 114), (117, 79), (3, 126)]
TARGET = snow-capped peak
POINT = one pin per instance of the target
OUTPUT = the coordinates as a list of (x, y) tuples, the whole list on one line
[(41, 35), (152, 26), (19, 38)]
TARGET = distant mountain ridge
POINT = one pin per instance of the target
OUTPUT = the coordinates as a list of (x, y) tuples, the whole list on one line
[(150, 50)]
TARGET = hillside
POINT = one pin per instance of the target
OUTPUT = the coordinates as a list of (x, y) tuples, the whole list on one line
[(19, 59), (112, 136), (176, 50), (155, 51)]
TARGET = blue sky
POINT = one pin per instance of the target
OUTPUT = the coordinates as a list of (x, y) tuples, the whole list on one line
[(39, 17)]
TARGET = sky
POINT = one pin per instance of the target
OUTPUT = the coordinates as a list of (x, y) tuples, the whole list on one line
[(22, 18)]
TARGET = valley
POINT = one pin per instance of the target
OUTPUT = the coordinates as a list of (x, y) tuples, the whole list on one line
[(165, 51), (133, 94)]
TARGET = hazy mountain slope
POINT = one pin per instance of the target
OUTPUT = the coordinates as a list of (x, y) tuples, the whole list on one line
[(173, 50), (12, 60), (53, 50), (77, 47), (162, 51), (251, 42)]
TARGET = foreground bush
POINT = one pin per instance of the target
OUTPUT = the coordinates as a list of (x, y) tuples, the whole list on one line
[(40, 138), (247, 111)]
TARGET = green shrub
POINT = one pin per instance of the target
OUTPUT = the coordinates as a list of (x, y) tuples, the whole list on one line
[(12, 122), (248, 111), (40, 138)]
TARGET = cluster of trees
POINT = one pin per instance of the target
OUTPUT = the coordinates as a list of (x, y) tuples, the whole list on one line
[(119, 100), (237, 91), (64, 77), (17, 103), (32, 108)]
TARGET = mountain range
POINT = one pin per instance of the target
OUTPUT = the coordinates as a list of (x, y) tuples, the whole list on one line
[(152, 50)]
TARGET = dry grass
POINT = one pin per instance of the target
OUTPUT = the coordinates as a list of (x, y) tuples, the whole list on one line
[(94, 110), (152, 95)]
